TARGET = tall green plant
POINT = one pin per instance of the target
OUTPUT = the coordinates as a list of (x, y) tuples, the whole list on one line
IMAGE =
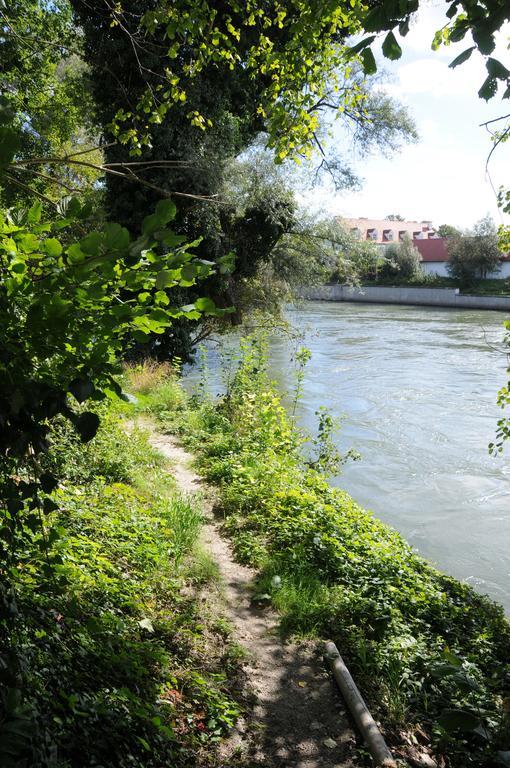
[(67, 311)]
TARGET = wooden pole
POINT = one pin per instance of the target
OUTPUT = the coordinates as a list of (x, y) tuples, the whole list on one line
[(372, 736)]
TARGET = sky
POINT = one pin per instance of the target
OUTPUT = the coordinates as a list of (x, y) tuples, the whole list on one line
[(443, 176)]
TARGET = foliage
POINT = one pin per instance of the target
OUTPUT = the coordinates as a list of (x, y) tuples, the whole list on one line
[(67, 310), (223, 162), (116, 667), (296, 50), (474, 254), (503, 425), (504, 230), (341, 256), (401, 260), (45, 92), (429, 653), (448, 230), (480, 21)]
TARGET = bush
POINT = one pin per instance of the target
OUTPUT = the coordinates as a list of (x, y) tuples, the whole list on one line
[(428, 651), (474, 254), (115, 666), (401, 260)]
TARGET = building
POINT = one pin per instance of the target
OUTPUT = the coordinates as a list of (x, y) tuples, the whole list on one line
[(434, 257), (432, 247), (384, 231)]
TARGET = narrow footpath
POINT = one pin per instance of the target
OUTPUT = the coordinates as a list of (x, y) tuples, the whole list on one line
[(298, 719)]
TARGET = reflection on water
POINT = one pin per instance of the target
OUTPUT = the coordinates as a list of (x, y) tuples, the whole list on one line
[(416, 388)]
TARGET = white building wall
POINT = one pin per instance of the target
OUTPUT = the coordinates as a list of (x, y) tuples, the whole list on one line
[(440, 268), (435, 268)]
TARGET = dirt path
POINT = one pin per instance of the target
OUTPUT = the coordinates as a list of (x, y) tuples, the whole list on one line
[(298, 719)]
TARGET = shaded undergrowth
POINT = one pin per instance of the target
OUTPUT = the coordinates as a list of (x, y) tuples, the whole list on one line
[(430, 654)]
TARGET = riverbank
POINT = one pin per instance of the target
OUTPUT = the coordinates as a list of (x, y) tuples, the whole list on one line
[(115, 658), (430, 654), (431, 297), (295, 715)]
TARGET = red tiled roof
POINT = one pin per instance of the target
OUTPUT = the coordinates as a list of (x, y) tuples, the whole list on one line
[(433, 249)]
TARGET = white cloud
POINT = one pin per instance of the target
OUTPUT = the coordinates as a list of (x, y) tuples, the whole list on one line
[(433, 77)]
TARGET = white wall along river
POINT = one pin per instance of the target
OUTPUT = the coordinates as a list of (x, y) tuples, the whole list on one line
[(416, 390)]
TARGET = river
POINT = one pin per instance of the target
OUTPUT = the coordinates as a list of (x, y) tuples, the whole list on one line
[(415, 388)]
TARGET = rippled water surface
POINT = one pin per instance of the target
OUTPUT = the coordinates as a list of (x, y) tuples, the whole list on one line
[(416, 390)]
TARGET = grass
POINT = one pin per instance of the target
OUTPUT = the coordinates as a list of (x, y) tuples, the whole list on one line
[(118, 666), (431, 655), (147, 376)]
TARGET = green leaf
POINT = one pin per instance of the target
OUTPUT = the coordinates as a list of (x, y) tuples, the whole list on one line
[(162, 298), (91, 243), (166, 210), (87, 425), (462, 57), (75, 254), (361, 45), (150, 224), (146, 624), (390, 48), (496, 69), (116, 238), (452, 10), (484, 39), (189, 271), (368, 61), (164, 278), (52, 247), (489, 88), (29, 243), (205, 304), (171, 240), (403, 27), (73, 207), (377, 19), (453, 720), (34, 212)]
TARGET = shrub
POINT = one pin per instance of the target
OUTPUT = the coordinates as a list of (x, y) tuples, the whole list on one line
[(401, 260), (428, 651), (474, 254)]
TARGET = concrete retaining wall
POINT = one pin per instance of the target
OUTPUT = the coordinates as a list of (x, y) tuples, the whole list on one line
[(433, 297)]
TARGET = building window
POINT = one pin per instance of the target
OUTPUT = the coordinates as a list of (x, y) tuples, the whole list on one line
[(371, 234), (356, 232), (401, 234), (387, 235)]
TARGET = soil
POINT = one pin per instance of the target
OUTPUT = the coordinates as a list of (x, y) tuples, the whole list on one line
[(297, 717)]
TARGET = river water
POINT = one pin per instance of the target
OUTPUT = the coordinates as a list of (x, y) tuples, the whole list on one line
[(415, 388)]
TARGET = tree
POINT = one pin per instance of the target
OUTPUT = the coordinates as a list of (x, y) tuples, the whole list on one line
[(236, 119), (474, 254), (402, 260), (394, 217), (447, 230)]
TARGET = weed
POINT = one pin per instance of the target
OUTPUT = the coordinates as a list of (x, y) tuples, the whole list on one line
[(202, 568), (117, 662), (145, 377), (343, 574)]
